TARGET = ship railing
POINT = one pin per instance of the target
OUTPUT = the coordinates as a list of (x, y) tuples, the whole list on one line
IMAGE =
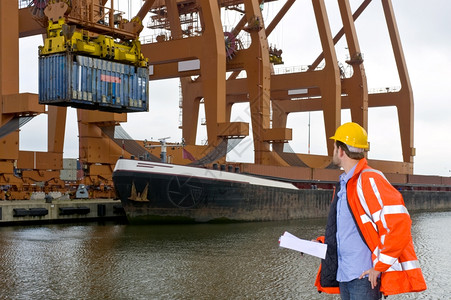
[(295, 69), (285, 70), (393, 89)]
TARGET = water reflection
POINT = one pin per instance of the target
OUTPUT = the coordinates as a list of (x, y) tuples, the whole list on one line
[(432, 238), (221, 261)]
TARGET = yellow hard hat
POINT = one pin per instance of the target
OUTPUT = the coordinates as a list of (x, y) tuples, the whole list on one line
[(352, 134)]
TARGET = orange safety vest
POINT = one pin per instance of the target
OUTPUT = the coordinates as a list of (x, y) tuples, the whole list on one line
[(384, 222)]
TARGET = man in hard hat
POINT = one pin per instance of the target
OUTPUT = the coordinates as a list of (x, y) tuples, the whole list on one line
[(370, 250)]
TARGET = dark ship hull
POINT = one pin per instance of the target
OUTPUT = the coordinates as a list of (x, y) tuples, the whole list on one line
[(157, 192)]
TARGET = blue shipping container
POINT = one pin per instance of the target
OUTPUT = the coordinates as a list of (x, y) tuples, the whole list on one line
[(92, 83)]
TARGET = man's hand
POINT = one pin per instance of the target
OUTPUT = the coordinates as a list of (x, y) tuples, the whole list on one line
[(372, 276)]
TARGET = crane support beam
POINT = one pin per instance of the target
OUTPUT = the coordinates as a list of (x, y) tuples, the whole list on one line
[(356, 86), (213, 74), (9, 73), (258, 72), (56, 118), (173, 51), (305, 105), (405, 104), (330, 85)]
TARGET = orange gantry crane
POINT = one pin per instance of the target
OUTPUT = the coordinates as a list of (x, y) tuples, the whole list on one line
[(210, 63)]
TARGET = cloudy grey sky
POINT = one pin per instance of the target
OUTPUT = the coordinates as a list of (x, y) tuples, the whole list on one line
[(424, 31)]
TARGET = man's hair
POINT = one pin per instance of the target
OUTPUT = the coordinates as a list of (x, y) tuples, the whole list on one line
[(352, 155)]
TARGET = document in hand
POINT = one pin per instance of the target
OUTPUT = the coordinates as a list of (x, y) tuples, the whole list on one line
[(287, 240)]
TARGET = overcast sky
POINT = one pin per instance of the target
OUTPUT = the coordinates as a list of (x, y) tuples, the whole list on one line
[(424, 31)]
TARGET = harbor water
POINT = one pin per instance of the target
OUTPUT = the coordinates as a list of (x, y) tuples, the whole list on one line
[(204, 261)]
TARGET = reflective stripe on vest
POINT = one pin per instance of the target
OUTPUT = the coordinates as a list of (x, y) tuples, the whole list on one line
[(386, 210), (394, 263), (388, 260), (369, 217), (404, 266)]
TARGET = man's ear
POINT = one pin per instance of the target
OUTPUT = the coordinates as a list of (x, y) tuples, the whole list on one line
[(341, 152)]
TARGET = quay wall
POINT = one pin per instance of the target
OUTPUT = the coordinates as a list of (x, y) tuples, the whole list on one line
[(415, 201), (40, 211)]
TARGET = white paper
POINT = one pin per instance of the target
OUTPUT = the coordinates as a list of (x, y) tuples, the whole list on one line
[(287, 240)]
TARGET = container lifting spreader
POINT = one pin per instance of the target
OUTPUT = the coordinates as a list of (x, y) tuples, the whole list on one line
[(93, 71)]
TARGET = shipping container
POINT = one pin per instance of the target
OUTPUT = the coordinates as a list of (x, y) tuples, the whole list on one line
[(69, 175), (70, 163), (92, 83)]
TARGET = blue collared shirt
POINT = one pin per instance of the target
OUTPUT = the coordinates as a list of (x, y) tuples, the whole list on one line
[(354, 256)]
